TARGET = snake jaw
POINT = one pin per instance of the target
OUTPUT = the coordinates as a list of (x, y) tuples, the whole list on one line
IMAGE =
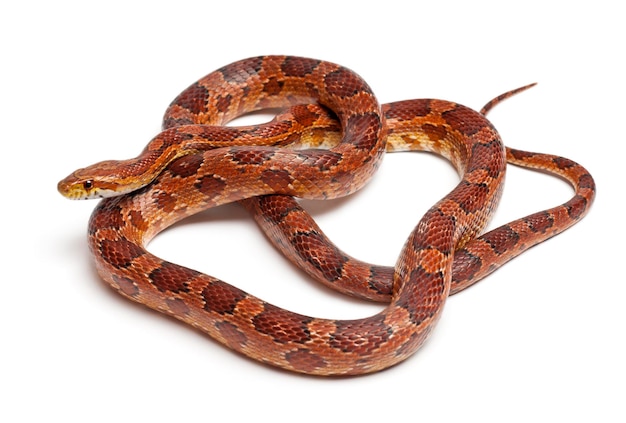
[(77, 190), (75, 187)]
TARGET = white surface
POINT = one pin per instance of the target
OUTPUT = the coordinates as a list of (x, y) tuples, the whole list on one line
[(539, 340)]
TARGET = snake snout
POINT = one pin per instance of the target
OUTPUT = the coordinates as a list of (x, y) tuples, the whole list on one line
[(76, 188)]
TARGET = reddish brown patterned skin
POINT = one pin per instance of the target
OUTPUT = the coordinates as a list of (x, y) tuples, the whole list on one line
[(278, 215), (417, 286), (288, 226)]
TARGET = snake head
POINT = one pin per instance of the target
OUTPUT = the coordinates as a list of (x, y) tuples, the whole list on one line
[(96, 181)]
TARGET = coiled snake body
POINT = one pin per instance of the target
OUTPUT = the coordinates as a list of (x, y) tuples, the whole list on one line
[(196, 163)]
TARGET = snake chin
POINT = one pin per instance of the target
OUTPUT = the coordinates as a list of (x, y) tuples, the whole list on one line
[(75, 188)]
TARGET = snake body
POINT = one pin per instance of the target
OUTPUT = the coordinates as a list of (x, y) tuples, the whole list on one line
[(199, 164)]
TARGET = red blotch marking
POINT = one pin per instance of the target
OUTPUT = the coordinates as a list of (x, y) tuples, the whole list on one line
[(233, 337), (304, 360), (120, 253), (281, 325), (173, 278), (221, 298)]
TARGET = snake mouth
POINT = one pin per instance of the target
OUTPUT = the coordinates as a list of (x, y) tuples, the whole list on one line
[(75, 188), (66, 187)]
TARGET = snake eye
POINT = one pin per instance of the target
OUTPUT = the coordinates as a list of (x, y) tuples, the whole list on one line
[(88, 184)]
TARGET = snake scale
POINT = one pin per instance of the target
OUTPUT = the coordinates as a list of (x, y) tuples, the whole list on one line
[(327, 142)]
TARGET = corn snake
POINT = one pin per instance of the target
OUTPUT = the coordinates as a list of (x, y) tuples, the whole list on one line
[(204, 176)]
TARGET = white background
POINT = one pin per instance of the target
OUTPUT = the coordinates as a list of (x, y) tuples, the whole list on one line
[(542, 339)]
